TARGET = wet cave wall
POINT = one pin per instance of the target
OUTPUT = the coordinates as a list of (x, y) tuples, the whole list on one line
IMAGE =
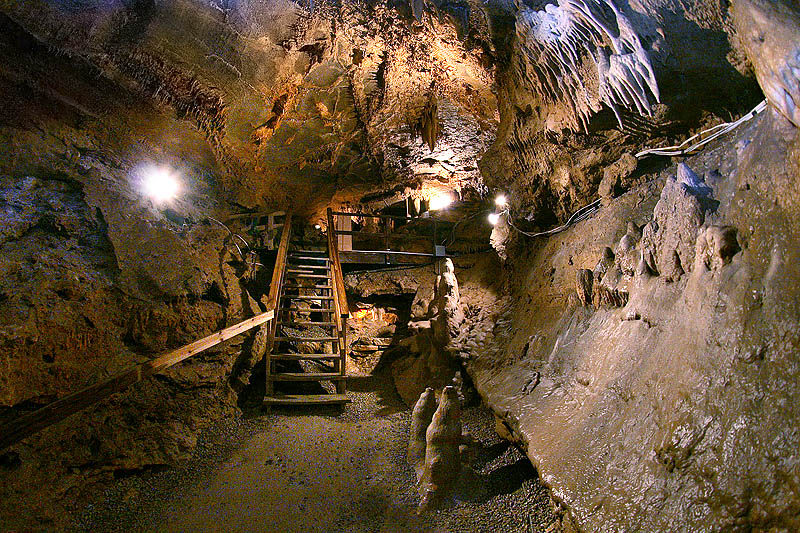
[(647, 357)]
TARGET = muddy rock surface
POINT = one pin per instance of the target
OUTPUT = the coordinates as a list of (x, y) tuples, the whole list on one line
[(669, 409)]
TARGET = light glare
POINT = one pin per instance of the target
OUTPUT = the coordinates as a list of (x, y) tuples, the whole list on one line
[(494, 218), (161, 185), (500, 200), (440, 201)]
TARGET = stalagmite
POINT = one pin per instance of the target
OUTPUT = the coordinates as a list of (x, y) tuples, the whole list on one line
[(442, 458), (420, 419)]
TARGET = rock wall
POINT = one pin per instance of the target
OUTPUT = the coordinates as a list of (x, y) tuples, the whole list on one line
[(302, 104), (95, 277), (646, 358)]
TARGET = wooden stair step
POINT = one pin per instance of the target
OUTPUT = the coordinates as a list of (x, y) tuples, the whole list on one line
[(304, 356), (307, 376), (310, 276), (305, 399), (368, 348), (306, 297), (306, 251), (309, 258), (304, 323), (296, 286), (296, 308), (306, 339)]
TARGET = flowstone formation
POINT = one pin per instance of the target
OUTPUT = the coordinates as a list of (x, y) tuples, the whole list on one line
[(562, 38), (437, 315), (646, 357)]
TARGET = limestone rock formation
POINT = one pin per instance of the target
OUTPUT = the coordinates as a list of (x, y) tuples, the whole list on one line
[(420, 420), (432, 346), (667, 401), (442, 458), (770, 34), (715, 247), (677, 219), (679, 382)]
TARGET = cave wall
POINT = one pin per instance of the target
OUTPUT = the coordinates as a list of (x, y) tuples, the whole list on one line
[(664, 397), (557, 133), (657, 398), (646, 358), (302, 104), (95, 277)]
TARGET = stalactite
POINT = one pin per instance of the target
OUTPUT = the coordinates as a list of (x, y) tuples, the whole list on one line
[(427, 126), (560, 38)]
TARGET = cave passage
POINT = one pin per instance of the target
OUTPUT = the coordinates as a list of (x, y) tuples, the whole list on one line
[(400, 265)]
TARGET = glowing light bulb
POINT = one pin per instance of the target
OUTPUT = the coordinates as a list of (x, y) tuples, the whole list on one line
[(317, 227), (494, 218), (160, 184), (500, 200), (440, 201)]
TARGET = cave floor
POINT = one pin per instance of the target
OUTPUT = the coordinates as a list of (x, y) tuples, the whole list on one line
[(324, 470)]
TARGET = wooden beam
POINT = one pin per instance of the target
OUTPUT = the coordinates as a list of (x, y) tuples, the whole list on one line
[(258, 214), (369, 215), (27, 425), (395, 236)]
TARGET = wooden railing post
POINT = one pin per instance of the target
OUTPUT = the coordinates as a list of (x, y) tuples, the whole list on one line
[(341, 308), (275, 287)]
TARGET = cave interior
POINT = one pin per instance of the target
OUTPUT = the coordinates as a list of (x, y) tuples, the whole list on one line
[(400, 265)]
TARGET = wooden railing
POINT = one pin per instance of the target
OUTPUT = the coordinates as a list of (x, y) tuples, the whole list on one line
[(275, 287), (341, 309), (26, 425), (387, 237)]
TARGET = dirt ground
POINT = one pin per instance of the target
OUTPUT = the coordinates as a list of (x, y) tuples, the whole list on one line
[(324, 469)]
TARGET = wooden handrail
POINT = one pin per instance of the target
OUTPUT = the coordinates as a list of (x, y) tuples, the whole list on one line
[(27, 425), (280, 263), (275, 292), (336, 265), (340, 296)]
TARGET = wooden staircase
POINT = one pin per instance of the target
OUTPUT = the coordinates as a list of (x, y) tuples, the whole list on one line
[(310, 309)]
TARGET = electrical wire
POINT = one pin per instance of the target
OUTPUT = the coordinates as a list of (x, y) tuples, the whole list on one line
[(719, 130), (234, 236), (581, 214)]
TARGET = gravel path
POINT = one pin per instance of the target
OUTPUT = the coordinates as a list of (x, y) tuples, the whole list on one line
[(324, 469)]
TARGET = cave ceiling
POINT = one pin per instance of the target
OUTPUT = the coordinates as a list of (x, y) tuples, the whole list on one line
[(307, 105), (302, 105)]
